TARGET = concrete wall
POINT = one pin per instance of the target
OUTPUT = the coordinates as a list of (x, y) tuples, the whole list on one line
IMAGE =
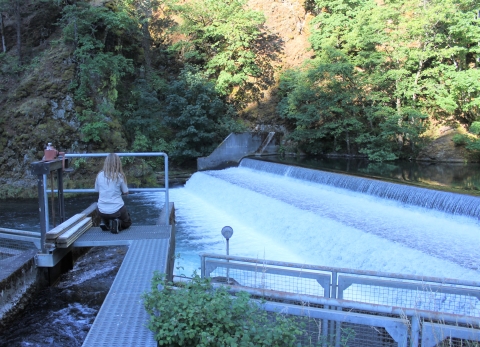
[(237, 146), (18, 281)]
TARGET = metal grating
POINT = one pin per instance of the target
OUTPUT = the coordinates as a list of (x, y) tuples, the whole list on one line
[(302, 282), (425, 296), (342, 328), (449, 336), (97, 237), (122, 318)]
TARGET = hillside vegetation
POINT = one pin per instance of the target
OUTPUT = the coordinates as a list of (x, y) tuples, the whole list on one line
[(358, 78)]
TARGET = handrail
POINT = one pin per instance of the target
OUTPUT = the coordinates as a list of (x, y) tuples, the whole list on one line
[(135, 154), (42, 168), (450, 281)]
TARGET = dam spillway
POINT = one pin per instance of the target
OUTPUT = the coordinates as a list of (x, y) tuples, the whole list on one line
[(293, 214)]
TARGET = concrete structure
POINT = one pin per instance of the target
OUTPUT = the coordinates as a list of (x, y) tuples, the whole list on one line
[(18, 279), (237, 146)]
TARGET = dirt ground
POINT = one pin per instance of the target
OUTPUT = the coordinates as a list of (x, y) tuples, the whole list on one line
[(287, 28)]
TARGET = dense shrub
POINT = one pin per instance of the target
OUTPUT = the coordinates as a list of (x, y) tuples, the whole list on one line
[(200, 315)]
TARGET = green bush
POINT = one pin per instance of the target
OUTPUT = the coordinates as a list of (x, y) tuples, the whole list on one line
[(460, 139), (199, 315)]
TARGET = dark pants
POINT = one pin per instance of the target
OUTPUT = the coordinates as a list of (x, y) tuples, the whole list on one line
[(122, 214)]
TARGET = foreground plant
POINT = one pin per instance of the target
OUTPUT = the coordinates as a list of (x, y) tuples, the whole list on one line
[(199, 315)]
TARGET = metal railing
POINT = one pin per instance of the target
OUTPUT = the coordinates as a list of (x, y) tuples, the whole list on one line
[(336, 298), (42, 168), (146, 154)]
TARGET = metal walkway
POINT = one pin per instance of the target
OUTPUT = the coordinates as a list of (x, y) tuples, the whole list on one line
[(122, 319)]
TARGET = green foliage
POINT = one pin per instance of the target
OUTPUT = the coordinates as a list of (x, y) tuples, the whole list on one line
[(470, 140), (101, 66), (199, 315), (79, 163), (196, 114), (326, 104), (473, 143), (221, 37), (475, 128), (460, 139), (423, 57), (143, 110)]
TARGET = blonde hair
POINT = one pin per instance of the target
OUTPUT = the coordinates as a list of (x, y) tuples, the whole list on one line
[(112, 168)]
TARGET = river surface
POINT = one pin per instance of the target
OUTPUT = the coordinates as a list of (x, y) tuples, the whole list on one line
[(273, 217)]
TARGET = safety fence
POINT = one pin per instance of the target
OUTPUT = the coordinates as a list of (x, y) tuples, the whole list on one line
[(14, 242), (345, 307)]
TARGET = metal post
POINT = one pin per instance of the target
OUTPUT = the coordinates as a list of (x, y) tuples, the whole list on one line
[(415, 331), (167, 202), (333, 294), (41, 210), (202, 271), (61, 201), (227, 233), (52, 197), (228, 268), (45, 202)]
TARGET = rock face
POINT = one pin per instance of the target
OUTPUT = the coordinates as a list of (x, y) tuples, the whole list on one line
[(443, 149), (286, 46), (36, 110)]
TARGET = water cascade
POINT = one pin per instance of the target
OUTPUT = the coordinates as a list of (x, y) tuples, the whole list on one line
[(457, 204), (300, 215)]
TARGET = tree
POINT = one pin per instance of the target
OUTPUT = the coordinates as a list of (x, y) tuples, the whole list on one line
[(220, 37), (97, 34), (323, 103), (409, 61), (152, 17), (197, 115), (2, 29), (13, 7)]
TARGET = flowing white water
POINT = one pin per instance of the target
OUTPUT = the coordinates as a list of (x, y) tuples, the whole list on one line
[(282, 218)]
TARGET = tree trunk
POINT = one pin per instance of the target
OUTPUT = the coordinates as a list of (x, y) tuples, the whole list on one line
[(417, 76), (2, 27), (18, 23), (146, 43), (478, 54), (348, 143)]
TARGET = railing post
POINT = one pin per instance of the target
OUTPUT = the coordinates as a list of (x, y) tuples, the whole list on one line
[(41, 210), (167, 202), (61, 202), (334, 328), (203, 265), (415, 331), (45, 203)]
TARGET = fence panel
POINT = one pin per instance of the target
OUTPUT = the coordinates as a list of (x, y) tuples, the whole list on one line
[(448, 335), (411, 294), (346, 307)]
